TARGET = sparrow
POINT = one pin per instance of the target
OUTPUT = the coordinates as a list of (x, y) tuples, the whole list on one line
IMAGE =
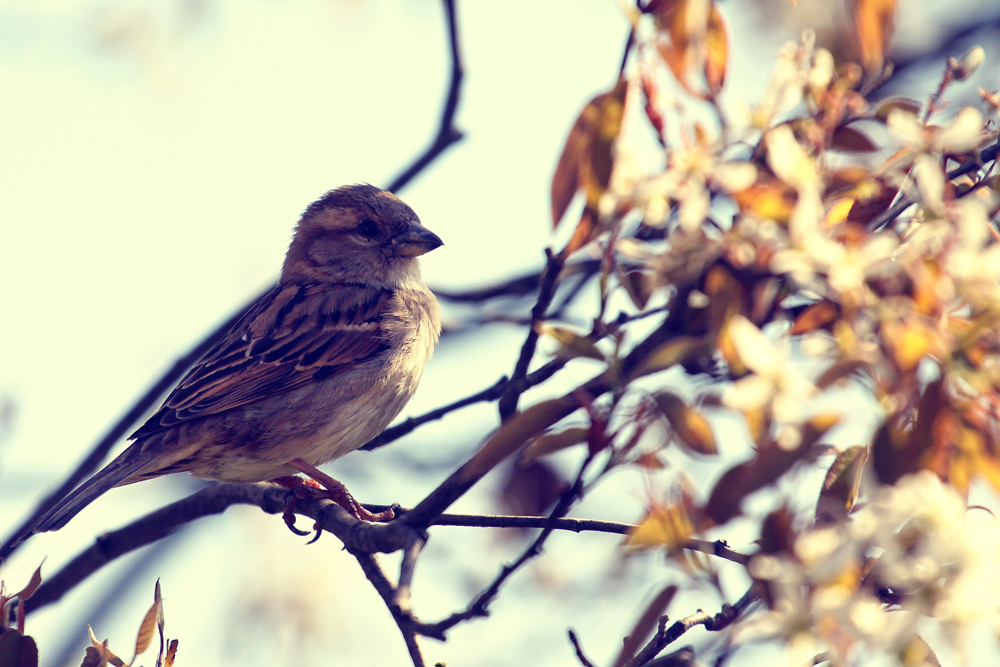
[(316, 367)]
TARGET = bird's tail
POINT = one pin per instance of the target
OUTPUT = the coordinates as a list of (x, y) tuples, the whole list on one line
[(111, 475)]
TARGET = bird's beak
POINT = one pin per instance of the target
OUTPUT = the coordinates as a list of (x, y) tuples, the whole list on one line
[(416, 240)]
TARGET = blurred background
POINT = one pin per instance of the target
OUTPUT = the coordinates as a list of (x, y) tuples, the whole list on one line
[(154, 157)]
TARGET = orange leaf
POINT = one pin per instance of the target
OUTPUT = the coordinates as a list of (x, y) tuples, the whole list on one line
[(716, 52), (148, 625), (692, 44), (768, 199), (168, 661), (874, 21), (692, 429), (587, 157), (668, 527), (817, 316), (33, 583)]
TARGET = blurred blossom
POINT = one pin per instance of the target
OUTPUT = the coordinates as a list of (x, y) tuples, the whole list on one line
[(774, 384), (797, 66), (936, 558)]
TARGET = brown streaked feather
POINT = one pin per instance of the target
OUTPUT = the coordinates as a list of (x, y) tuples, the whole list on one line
[(295, 335)]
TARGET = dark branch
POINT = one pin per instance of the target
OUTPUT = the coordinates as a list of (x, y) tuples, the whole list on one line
[(479, 606), (668, 635), (374, 573), (398, 431), (580, 655), (358, 536), (550, 279), (447, 134)]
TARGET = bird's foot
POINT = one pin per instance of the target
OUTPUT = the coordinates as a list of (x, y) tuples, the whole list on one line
[(298, 487), (322, 486)]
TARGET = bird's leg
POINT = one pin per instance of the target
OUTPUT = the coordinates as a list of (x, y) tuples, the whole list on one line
[(298, 487), (338, 493)]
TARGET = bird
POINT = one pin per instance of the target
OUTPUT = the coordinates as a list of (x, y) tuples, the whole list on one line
[(315, 368)]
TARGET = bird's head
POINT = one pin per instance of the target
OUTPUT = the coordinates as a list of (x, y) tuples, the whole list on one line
[(357, 233)]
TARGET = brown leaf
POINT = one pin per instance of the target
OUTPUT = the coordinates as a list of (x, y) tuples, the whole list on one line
[(675, 351), (512, 434), (149, 623), (873, 197), (852, 141), (838, 371), (817, 316), (92, 658), (530, 490), (587, 158), (690, 426), (636, 286), (555, 441), (645, 625), (896, 451), (573, 344), (841, 486), (769, 464), (776, 534), (874, 21), (33, 583), (17, 650)]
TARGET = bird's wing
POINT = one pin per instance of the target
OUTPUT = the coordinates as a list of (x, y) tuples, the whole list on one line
[(295, 335)]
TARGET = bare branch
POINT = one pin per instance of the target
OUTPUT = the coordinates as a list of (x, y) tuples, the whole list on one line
[(579, 649), (447, 134), (550, 279), (478, 607), (668, 635), (374, 573)]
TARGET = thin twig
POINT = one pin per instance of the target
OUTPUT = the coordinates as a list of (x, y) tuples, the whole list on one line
[(553, 266), (406, 569), (374, 573), (359, 536), (580, 655), (668, 635), (491, 393), (479, 606), (447, 134)]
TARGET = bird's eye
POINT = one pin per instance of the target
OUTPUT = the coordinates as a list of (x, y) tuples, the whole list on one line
[(368, 229)]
